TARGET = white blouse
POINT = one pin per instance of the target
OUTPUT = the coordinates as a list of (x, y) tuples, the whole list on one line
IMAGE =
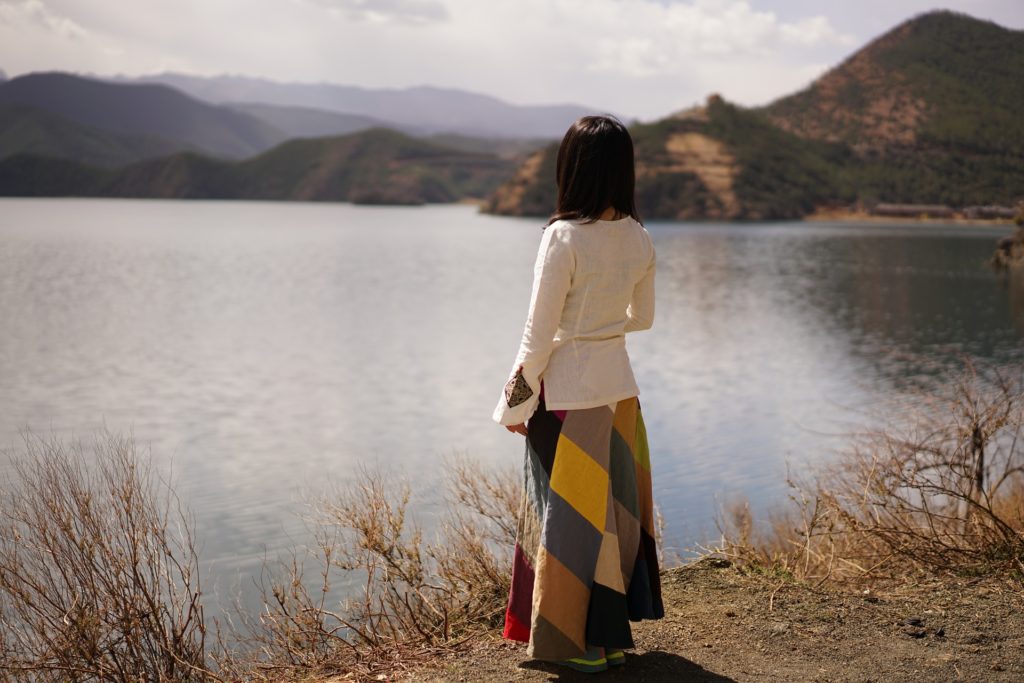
[(592, 283)]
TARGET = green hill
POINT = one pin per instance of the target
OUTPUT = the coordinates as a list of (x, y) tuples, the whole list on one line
[(375, 166), (28, 175), (929, 113), (30, 130)]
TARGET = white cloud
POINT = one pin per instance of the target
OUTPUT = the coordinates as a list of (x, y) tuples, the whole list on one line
[(414, 11), (652, 38), (632, 57), (28, 14), (813, 31), (58, 35), (640, 57)]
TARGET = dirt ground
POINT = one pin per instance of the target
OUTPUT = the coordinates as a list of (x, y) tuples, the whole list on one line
[(722, 624)]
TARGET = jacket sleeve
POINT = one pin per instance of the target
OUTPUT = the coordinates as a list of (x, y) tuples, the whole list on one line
[(552, 275), (640, 312)]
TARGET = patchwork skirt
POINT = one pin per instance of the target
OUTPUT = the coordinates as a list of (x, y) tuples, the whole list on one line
[(585, 561)]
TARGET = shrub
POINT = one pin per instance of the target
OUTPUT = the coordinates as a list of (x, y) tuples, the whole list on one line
[(939, 491), (417, 597), (99, 576)]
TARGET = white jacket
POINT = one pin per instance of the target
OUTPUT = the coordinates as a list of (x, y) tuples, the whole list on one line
[(592, 283)]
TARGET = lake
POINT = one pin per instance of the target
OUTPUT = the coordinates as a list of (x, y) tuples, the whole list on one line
[(265, 350)]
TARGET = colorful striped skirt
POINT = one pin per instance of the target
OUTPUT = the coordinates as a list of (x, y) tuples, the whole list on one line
[(585, 561)]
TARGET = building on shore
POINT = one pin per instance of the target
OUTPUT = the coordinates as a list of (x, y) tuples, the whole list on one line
[(913, 210), (990, 211)]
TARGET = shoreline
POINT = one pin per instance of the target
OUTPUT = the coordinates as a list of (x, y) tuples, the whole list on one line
[(865, 217), (839, 217)]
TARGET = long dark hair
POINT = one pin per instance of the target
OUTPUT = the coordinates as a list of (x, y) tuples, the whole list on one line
[(594, 170)]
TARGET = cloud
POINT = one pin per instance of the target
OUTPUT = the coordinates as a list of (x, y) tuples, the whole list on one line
[(40, 35), (653, 38), (633, 57), (637, 57), (813, 31), (33, 13), (412, 11)]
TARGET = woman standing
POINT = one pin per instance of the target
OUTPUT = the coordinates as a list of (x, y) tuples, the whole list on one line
[(585, 558)]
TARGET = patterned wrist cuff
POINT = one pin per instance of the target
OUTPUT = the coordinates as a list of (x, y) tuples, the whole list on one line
[(517, 389)]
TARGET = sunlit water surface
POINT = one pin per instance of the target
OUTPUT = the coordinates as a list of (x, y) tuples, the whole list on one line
[(267, 351)]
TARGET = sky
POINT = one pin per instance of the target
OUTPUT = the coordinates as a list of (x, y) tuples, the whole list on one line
[(641, 58)]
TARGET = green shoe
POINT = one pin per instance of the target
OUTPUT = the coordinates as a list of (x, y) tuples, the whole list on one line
[(593, 661), (615, 657)]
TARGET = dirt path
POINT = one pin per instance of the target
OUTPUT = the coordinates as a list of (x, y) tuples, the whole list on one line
[(725, 625)]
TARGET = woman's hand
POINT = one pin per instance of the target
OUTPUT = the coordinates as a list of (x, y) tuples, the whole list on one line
[(518, 429)]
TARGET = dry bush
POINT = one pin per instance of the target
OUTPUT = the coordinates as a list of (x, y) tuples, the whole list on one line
[(937, 491), (1009, 253), (99, 576), (416, 597)]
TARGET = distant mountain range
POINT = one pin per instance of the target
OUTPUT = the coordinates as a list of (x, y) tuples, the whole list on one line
[(146, 110), (929, 113), (307, 122), (66, 135), (421, 110)]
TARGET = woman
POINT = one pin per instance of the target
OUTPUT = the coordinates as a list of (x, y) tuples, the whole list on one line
[(585, 558)]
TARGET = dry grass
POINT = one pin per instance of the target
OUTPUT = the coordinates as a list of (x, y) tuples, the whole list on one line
[(939, 491), (417, 597), (99, 576), (1009, 252), (99, 573)]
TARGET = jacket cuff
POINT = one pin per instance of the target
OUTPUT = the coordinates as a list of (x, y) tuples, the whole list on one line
[(519, 414)]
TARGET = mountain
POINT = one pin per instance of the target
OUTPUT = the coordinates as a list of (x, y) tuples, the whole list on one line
[(377, 166), (718, 161), (932, 111), (942, 80), (143, 109), (306, 122), (426, 109), (928, 113), (30, 130), (3, 75)]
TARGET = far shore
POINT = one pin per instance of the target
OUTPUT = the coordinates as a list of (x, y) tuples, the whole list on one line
[(843, 216), (820, 216)]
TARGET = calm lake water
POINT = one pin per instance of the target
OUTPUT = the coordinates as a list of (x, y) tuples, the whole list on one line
[(266, 349)]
